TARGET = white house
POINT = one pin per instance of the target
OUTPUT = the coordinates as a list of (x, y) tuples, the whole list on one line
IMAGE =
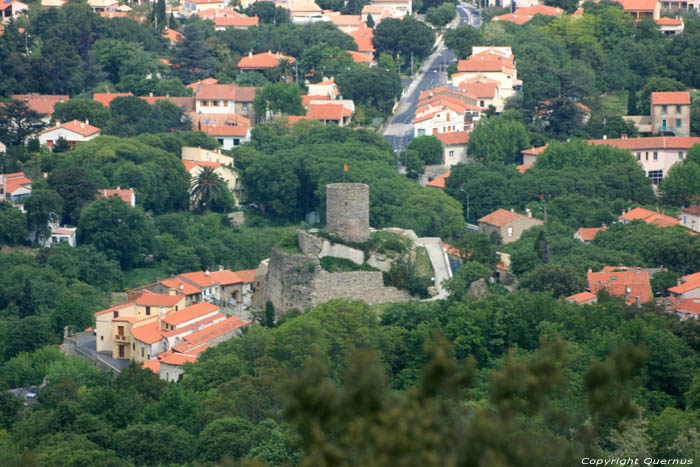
[(61, 235), (12, 9), (228, 136), (73, 132)]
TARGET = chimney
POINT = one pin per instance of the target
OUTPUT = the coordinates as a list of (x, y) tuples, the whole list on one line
[(82, 124), (206, 273), (605, 137), (627, 293), (221, 268), (181, 287), (590, 270), (87, 121), (638, 301), (118, 187), (512, 210), (250, 54), (678, 282), (623, 136), (528, 212), (150, 94)]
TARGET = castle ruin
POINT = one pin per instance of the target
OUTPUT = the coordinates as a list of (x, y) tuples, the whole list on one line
[(347, 211)]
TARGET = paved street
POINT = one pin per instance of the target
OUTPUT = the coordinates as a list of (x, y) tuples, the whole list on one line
[(87, 344), (432, 74), (441, 265)]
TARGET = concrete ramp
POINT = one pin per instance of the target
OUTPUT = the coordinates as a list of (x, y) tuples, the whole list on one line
[(441, 264)]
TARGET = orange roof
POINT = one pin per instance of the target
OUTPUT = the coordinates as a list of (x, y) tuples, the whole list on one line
[(425, 117), (262, 60), (246, 275), (185, 288), (153, 365), (363, 38), (194, 326), (172, 35), (481, 65), (114, 14), (513, 18), (148, 298), (199, 278), (114, 308), (481, 90), (76, 126), (226, 130), (59, 231), (306, 100), (197, 350), (328, 111), (522, 168), (149, 333), (189, 165), (500, 217), (669, 22), (236, 21), (670, 98), (650, 217), (225, 277), (651, 142), (439, 182), (638, 5), (588, 234), (125, 195), (14, 181), (105, 98), (178, 359), (216, 91), (454, 137), (540, 10), (210, 333), (534, 151), (688, 283), (189, 313), (196, 84), (41, 103), (686, 306), (581, 298), (694, 210), (246, 93), (346, 20), (631, 284)]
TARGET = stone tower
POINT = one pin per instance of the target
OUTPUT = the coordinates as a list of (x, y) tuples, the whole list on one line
[(347, 211)]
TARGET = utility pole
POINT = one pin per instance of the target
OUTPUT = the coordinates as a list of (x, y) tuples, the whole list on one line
[(411, 64)]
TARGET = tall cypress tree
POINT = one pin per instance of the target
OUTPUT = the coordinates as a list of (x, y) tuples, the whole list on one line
[(160, 14), (631, 102)]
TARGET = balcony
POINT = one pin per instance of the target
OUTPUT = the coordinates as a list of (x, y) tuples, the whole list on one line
[(122, 338)]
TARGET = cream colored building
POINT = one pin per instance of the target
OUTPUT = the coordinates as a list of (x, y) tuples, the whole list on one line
[(690, 217)]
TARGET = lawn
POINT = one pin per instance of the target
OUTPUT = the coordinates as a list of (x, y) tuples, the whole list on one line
[(615, 102), (142, 276)]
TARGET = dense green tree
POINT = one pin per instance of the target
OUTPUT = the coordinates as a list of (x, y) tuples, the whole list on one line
[(225, 437), (442, 15), (403, 37), (43, 208), (123, 233), (279, 98), (14, 225), (268, 12), (374, 87), (462, 39), (467, 273), (148, 444), (17, 122), (560, 281), (498, 139), (83, 110), (429, 148), (681, 185), (193, 58), (75, 188)]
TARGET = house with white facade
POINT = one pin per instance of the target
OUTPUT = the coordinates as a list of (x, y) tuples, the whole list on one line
[(73, 132)]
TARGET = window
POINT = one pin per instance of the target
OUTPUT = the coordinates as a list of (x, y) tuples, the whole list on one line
[(215, 103), (664, 110), (510, 231), (116, 314), (236, 141), (685, 220), (133, 346), (245, 106), (452, 154), (421, 132), (481, 103), (680, 155), (220, 140), (678, 123), (678, 109), (148, 311), (639, 156), (102, 338), (656, 176), (646, 155), (656, 156), (142, 352), (663, 124)]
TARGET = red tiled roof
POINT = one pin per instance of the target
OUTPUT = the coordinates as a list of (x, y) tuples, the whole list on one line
[(534, 151), (688, 283), (196, 84), (178, 359), (76, 126), (153, 365), (650, 217), (105, 98), (425, 117), (262, 60), (172, 35), (670, 98), (439, 182), (669, 22), (346, 20), (651, 142), (513, 18), (246, 275), (226, 130), (581, 298), (225, 277), (688, 306), (483, 65), (500, 217), (622, 283), (481, 90), (540, 10), (245, 93), (147, 333), (189, 313), (41, 103), (216, 91), (694, 210), (148, 298), (522, 168), (210, 333), (176, 283), (125, 195), (363, 38), (328, 111), (199, 278), (185, 103), (638, 5), (114, 308), (306, 99), (236, 21), (15, 180), (189, 165), (588, 234), (454, 137)]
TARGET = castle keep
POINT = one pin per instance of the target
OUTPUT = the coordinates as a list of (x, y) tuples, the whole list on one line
[(347, 211)]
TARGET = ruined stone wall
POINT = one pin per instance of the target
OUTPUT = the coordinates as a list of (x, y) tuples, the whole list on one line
[(309, 243), (347, 211), (289, 279), (356, 285)]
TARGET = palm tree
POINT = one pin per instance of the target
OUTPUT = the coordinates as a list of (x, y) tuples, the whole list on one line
[(207, 189), (286, 68)]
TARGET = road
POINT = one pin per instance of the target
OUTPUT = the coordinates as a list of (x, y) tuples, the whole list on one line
[(87, 342), (433, 74), (441, 264)]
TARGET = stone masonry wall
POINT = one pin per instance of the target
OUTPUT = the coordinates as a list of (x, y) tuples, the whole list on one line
[(309, 244), (288, 283), (357, 285), (347, 211)]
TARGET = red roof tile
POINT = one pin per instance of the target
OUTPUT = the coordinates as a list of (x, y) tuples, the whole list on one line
[(190, 313), (638, 5), (588, 234), (226, 130), (522, 168), (153, 365), (481, 90), (125, 195), (148, 298), (694, 210), (105, 98), (439, 182), (147, 333), (669, 22), (210, 333), (363, 38), (183, 287), (688, 283), (650, 217), (670, 98), (196, 84), (199, 278), (76, 126), (262, 60), (216, 91), (581, 298), (630, 284), (42, 103), (500, 217), (652, 142), (14, 181), (246, 275), (329, 111), (534, 151), (114, 308), (225, 277), (454, 137), (178, 359)]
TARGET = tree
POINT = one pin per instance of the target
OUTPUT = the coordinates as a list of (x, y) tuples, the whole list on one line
[(17, 122), (75, 188), (403, 37), (415, 167), (279, 98), (193, 58), (209, 190), (43, 208), (225, 437), (160, 14), (83, 110), (442, 15), (153, 443), (374, 87), (560, 281), (14, 225), (429, 149), (657, 84), (682, 184), (370, 21), (268, 12), (462, 39), (631, 102), (123, 233), (498, 139), (468, 272), (542, 247)]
